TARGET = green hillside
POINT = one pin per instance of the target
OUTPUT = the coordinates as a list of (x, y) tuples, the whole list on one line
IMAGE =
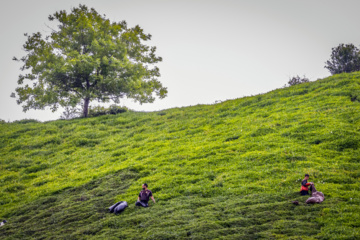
[(223, 171)]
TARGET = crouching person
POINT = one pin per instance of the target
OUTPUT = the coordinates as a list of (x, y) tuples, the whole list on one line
[(305, 185), (144, 196)]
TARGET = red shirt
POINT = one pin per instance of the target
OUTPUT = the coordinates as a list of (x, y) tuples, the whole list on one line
[(304, 185)]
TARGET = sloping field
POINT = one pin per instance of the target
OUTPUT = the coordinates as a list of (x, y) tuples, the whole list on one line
[(223, 171)]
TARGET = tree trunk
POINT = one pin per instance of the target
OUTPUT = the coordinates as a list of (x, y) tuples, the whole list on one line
[(86, 107)]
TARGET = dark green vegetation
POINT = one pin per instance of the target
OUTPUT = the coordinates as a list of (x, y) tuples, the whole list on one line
[(225, 171), (344, 58), (297, 80)]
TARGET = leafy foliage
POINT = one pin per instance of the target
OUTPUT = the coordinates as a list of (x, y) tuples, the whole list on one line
[(100, 110), (70, 113), (224, 171), (344, 59), (297, 80), (24, 121), (88, 58)]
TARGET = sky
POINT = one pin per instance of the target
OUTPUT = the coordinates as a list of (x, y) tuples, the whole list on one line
[(212, 50)]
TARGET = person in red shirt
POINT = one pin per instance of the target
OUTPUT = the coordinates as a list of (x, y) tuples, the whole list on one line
[(144, 196), (304, 185)]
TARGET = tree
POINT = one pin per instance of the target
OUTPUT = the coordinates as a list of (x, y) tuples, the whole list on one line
[(344, 58), (70, 113), (297, 80), (88, 58)]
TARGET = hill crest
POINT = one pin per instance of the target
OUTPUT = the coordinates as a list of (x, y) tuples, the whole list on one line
[(228, 170)]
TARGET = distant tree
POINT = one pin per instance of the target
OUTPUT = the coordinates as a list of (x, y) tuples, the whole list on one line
[(88, 58), (344, 58), (70, 113), (297, 80)]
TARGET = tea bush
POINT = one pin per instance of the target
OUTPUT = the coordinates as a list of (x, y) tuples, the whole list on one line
[(223, 171)]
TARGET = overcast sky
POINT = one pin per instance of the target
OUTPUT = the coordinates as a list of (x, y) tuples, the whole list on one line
[(212, 50)]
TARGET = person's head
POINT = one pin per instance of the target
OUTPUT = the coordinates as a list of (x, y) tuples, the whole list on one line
[(306, 176), (145, 186)]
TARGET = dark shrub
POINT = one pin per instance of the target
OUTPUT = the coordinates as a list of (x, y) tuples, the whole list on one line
[(24, 121), (113, 109), (297, 80)]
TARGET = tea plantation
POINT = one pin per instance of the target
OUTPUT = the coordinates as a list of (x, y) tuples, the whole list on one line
[(224, 171)]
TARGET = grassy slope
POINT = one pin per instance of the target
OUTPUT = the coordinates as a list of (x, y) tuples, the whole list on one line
[(223, 171)]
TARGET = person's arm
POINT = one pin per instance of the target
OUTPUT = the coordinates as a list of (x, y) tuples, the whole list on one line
[(139, 199), (153, 199), (305, 184)]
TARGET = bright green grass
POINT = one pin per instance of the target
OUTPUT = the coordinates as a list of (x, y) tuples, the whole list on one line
[(224, 171)]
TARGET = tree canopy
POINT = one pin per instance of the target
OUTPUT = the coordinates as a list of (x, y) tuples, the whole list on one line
[(344, 58), (87, 58)]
